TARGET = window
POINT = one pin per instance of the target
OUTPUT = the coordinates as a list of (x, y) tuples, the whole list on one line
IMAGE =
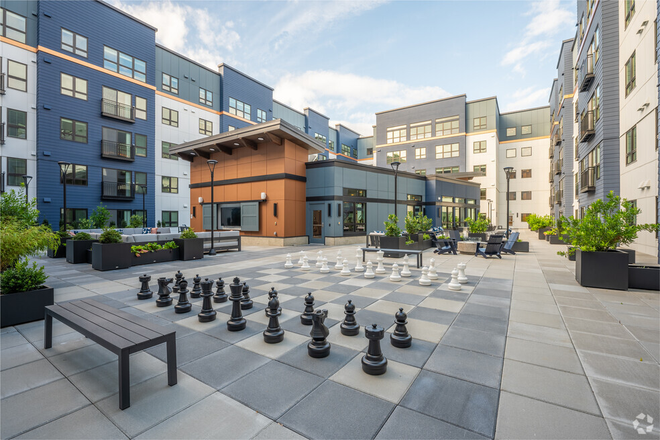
[(261, 115), (526, 174), (170, 219), (595, 45), (13, 25), (525, 151), (396, 134), (526, 129), (629, 10), (117, 183), (76, 175), (630, 74), (170, 117), (240, 109), (74, 43), (231, 128), (525, 195), (331, 146), (480, 123), (631, 145), (140, 108), (205, 97), (74, 215), (482, 194), (420, 172), (480, 168), (511, 131), (597, 161), (141, 145), (596, 103), (170, 84), (117, 103), (511, 152), (396, 156), (205, 127), (445, 151), (512, 174), (414, 197), (71, 130), (170, 185), (446, 126), (345, 150), (524, 216), (140, 182), (355, 218), (446, 170), (73, 86), (117, 144), (17, 76), (352, 192), (321, 138), (354, 153), (370, 151), (479, 147), (420, 131), (512, 195), (124, 64), (166, 151), (16, 169), (16, 124), (420, 153)]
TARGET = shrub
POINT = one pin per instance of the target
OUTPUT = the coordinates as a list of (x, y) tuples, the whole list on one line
[(64, 236), (17, 241), (110, 235), (13, 206), (170, 245), (537, 222), (188, 233), (158, 224), (391, 227), (22, 277), (82, 236), (136, 221), (85, 223), (152, 247), (478, 226), (100, 216)]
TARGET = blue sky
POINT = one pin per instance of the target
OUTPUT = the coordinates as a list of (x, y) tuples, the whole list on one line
[(351, 59)]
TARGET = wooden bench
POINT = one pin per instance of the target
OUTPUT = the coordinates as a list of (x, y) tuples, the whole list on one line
[(417, 253), (119, 332)]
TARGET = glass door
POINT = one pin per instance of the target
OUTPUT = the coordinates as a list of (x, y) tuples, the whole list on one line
[(317, 226)]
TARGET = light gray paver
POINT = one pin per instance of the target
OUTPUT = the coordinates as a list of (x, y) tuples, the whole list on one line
[(25, 377), (84, 424), (407, 424), (545, 355)]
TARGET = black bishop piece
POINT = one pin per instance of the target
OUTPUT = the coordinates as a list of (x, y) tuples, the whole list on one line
[(246, 302), (306, 316), (178, 276), (271, 295), (349, 327), (400, 337), (207, 314), (319, 347), (183, 306), (274, 333), (220, 295), (196, 290), (145, 291), (164, 291), (374, 362), (236, 322)]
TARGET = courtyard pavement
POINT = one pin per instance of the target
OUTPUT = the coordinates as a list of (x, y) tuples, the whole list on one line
[(522, 351)]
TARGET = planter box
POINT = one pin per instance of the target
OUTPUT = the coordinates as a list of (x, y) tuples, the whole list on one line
[(480, 236), (605, 270), (21, 307), (541, 233), (631, 254), (60, 252), (644, 276), (400, 243), (190, 248), (89, 256), (570, 257), (76, 250), (554, 239), (520, 246), (110, 256), (155, 257)]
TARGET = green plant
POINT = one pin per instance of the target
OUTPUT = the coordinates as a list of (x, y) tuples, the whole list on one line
[(188, 233), (100, 216), (64, 236), (122, 223), (417, 223), (170, 245), (13, 206), (110, 235), (112, 224), (410, 241), (158, 224), (426, 236), (17, 241), (22, 277), (391, 227), (152, 247), (85, 223), (537, 222), (136, 221), (478, 226), (82, 236)]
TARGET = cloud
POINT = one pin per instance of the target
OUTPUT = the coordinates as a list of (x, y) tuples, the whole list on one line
[(528, 98)]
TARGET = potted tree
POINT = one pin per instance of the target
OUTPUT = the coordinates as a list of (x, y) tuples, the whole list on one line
[(541, 224), (190, 247), (77, 247), (110, 253), (477, 228)]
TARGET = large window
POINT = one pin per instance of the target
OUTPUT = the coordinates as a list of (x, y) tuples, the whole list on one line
[(482, 194), (166, 151), (124, 64), (629, 10), (74, 215), (525, 151), (331, 147), (420, 172), (170, 117), (447, 170), (16, 76), (230, 216), (140, 182), (205, 97), (71, 130), (630, 74), (16, 124), (355, 218), (446, 126), (420, 131), (117, 143), (117, 183), (480, 123), (512, 195), (511, 152), (73, 86), (445, 151), (240, 109), (396, 134), (170, 83), (480, 169), (526, 129), (170, 185), (596, 103), (13, 25), (140, 108), (117, 103), (74, 43), (479, 146), (205, 127), (170, 219), (345, 150), (141, 145), (261, 115), (595, 45), (526, 174), (597, 160), (396, 156), (76, 175), (320, 137), (420, 153), (631, 145), (525, 195), (16, 169)]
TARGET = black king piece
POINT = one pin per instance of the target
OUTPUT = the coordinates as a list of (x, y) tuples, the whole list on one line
[(236, 322)]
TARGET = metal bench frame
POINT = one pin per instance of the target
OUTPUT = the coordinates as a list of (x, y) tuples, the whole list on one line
[(418, 253)]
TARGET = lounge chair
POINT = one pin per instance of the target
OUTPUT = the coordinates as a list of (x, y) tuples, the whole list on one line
[(493, 247), (443, 245), (507, 249)]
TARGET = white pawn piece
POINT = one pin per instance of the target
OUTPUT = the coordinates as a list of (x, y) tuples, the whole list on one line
[(305, 265), (461, 273), (289, 263), (395, 273), (369, 273), (405, 272), (454, 284), (433, 275), (345, 271), (300, 260), (324, 266), (424, 280), (358, 266), (339, 265)]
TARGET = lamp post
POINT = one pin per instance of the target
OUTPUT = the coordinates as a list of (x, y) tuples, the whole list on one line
[(508, 171), (143, 187), (27, 179), (395, 166), (490, 210), (64, 170), (212, 163)]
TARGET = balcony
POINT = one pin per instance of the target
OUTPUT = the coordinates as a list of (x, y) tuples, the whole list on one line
[(117, 150), (2, 133), (551, 176), (558, 165), (116, 110), (587, 130), (117, 191), (556, 139), (551, 200), (588, 180), (551, 153), (558, 197), (2, 84), (586, 72)]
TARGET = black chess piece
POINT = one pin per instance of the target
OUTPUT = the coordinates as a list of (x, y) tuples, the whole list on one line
[(274, 333), (319, 347), (271, 294), (400, 337), (197, 289), (178, 276), (246, 302), (207, 314), (220, 295), (183, 306), (306, 316), (236, 322), (145, 292), (349, 327), (374, 362), (164, 291)]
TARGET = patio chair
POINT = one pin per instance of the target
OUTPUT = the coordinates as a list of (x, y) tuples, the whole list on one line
[(445, 246), (493, 247), (454, 235), (507, 249)]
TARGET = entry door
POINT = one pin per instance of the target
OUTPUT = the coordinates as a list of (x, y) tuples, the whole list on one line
[(317, 226)]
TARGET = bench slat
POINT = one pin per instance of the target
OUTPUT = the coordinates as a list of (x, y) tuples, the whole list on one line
[(104, 323), (120, 321), (401, 251), (134, 319), (97, 334)]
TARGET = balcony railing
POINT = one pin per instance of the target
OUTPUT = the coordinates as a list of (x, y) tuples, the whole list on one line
[(2, 84), (114, 109), (588, 180), (558, 197), (551, 152), (587, 72), (587, 129), (551, 200), (556, 140), (551, 176), (117, 150), (558, 166), (2, 133), (117, 191)]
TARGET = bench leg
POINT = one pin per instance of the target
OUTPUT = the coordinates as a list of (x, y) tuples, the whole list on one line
[(124, 381), (48, 331), (171, 361), (363, 252)]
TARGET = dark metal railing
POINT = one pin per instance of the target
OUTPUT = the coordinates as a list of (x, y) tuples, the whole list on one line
[(117, 110), (118, 191), (588, 180), (587, 72), (2, 84), (2, 133), (558, 166), (558, 196), (117, 150), (551, 153), (551, 175), (587, 129)]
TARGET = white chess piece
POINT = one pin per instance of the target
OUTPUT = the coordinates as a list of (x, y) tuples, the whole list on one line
[(358, 266), (305, 265), (300, 260), (324, 266), (345, 271), (289, 263), (339, 265), (369, 273), (319, 259), (454, 284), (395, 273), (424, 280), (433, 275), (405, 272), (380, 269), (461, 273)]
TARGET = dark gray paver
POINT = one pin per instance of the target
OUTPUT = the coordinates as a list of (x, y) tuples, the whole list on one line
[(326, 367), (434, 315), (360, 301), (189, 348), (415, 355), (404, 298), (368, 317), (483, 323), (296, 326), (474, 340), (482, 310), (221, 332), (18, 355), (467, 365), (407, 424), (486, 300), (448, 294)]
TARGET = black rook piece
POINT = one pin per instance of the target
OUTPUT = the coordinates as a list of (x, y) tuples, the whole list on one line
[(164, 291), (349, 327), (145, 292), (236, 322), (374, 362), (196, 290), (401, 338), (220, 295), (207, 314), (306, 317), (319, 347), (271, 295), (246, 302), (183, 306), (274, 333), (178, 276)]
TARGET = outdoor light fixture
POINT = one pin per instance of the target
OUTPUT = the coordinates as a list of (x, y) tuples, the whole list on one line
[(260, 139), (395, 167), (27, 179), (263, 196), (144, 209), (237, 144), (509, 172), (200, 200), (212, 163)]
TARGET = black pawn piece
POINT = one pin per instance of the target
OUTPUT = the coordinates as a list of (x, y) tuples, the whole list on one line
[(207, 314), (274, 333), (271, 295), (164, 291), (401, 338), (197, 289), (220, 295), (246, 302), (319, 347), (178, 276), (145, 292), (349, 327), (306, 316), (183, 306), (374, 362), (236, 322)]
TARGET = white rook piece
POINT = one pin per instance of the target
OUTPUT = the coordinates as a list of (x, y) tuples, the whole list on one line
[(405, 272), (454, 284), (433, 275), (369, 273), (319, 259), (345, 271), (324, 266), (395, 273), (289, 263), (424, 280), (358, 266), (461, 273)]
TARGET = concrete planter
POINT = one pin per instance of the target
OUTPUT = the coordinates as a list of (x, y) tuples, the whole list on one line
[(400, 243), (644, 276), (631, 254), (110, 256), (190, 248), (605, 270), (76, 250), (481, 236), (159, 256), (520, 246), (21, 307), (541, 233), (554, 239)]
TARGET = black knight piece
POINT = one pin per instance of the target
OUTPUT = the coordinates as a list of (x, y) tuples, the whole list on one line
[(178, 276), (246, 302), (274, 333), (306, 316), (271, 295), (145, 292), (220, 295), (349, 327), (164, 291), (400, 337), (207, 314), (183, 306), (374, 362), (196, 290), (319, 347), (236, 322)]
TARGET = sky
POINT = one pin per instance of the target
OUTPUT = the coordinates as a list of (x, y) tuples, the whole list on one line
[(350, 59)]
